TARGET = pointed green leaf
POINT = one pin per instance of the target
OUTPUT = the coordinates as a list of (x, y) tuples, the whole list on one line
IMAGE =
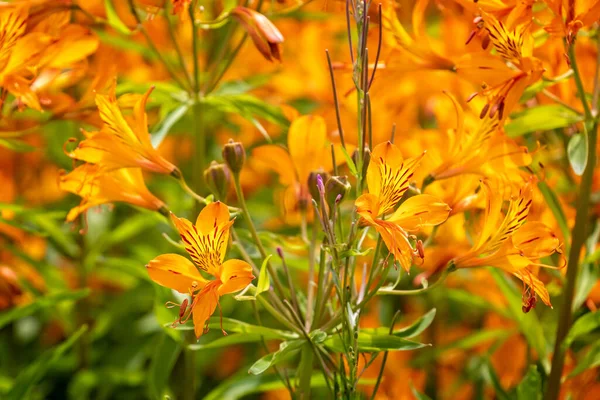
[(286, 349), (164, 356), (577, 150), (264, 282), (30, 376), (541, 118), (530, 387), (113, 18)]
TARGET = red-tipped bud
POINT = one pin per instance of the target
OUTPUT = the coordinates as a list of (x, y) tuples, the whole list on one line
[(264, 34)]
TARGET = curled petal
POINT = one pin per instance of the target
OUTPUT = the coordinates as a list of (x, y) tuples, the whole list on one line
[(175, 272), (235, 275), (535, 240)]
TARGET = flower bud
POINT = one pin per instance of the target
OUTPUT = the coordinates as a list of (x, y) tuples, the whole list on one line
[(264, 34), (312, 183), (234, 155), (335, 189), (366, 159), (218, 179)]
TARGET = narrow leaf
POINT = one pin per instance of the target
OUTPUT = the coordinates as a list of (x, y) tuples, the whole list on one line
[(530, 387), (113, 18), (542, 118), (577, 150), (164, 356), (264, 283)]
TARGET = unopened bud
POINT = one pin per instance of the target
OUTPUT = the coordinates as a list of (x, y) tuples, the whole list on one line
[(335, 189), (218, 179), (265, 36), (312, 183), (366, 159), (234, 155)]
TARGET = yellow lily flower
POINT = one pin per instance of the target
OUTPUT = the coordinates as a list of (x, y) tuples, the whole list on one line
[(100, 187), (388, 178), (571, 16), (206, 244), (502, 80), (120, 144), (513, 244)]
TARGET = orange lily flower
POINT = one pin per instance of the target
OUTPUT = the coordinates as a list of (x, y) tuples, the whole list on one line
[(100, 187), (388, 176), (417, 46), (308, 151), (120, 144), (513, 244), (485, 149), (571, 16), (206, 244), (502, 80), (20, 54)]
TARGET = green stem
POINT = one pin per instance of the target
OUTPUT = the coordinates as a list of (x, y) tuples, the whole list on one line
[(199, 149), (254, 233), (578, 236), (189, 361)]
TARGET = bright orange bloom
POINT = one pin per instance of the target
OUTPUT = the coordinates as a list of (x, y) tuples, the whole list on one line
[(512, 243), (100, 187), (484, 150), (502, 80), (308, 151), (417, 46), (180, 6), (20, 54), (120, 144), (571, 16), (388, 178), (206, 244)]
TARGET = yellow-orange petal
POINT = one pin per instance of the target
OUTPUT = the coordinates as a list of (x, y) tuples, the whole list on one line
[(211, 217), (535, 240), (204, 250), (175, 272), (307, 138), (235, 275), (278, 160), (396, 242), (420, 210), (367, 206), (204, 306)]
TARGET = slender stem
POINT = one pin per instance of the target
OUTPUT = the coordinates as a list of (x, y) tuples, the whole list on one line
[(254, 234), (335, 100), (195, 48), (171, 27), (153, 48), (558, 100), (385, 356), (189, 361), (578, 237)]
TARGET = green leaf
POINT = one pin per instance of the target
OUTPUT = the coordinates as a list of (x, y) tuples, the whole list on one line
[(232, 325), (577, 150), (554, 204), (349, 162), (286, 349), (167, 123), (16, 145), (418, 326), (589, 361), (417, 394), (530, 387), (465, 343), (247, 106), (544, 83), (29, 377), (529, 323), (164, 356), (492, 377), (264, 282), (542, 118), (242, 385), (230, 340), (40, 303), (113, 18), (584, 325), (375, 342)]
